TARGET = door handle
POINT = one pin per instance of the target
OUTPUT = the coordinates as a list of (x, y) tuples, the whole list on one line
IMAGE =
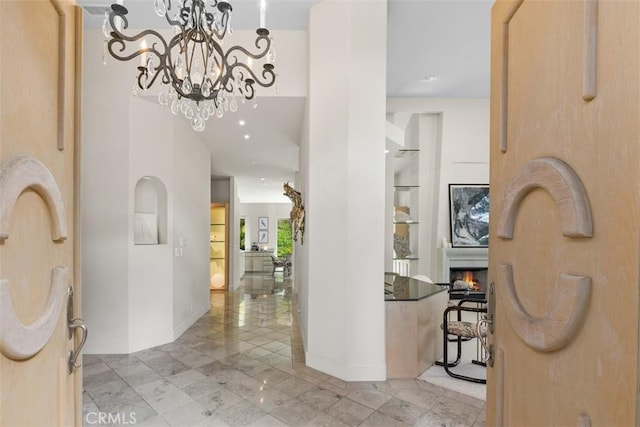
[(491, 307), (488, 320), (488, 348), (73, 324)]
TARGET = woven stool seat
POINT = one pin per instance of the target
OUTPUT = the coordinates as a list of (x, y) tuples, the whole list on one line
[(458, 331), (464, 329)]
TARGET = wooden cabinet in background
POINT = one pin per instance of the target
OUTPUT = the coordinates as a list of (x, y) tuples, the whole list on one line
[(258, 262)]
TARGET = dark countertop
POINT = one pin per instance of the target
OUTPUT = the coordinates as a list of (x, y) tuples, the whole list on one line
[(402, 288)]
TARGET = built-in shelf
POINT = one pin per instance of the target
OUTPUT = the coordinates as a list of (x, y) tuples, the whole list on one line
[(405, 187), (405, 203), (219, 271), (406, 152)]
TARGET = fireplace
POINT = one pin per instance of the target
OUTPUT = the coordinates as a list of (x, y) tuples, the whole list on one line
[(464, 265), (472, 279)]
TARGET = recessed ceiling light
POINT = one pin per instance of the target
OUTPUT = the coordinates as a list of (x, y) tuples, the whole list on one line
[(247, 136), (242, 122), (429, 78)]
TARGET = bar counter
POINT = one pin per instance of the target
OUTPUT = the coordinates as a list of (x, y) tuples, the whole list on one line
[(414, 312), (403, 288)]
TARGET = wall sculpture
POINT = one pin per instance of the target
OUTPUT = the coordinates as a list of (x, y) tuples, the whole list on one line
[(297, 212)]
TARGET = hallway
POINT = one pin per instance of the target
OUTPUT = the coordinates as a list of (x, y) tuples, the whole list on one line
[(241, 364)]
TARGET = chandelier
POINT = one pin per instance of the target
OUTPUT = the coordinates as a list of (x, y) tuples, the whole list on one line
[(199, 78)]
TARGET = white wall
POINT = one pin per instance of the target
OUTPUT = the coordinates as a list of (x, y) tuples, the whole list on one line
[(220, 190), (150, 275), (252, 211), (104, 200), (345, 184), (138, 296), (236, 269), (463, 138), (191, 219), (300, 250)]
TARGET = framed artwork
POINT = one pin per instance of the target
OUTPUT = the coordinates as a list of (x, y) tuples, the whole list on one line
[(243, 233), (469, 215), (263, 236), (263, 223)]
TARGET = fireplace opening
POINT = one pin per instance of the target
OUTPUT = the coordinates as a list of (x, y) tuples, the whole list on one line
[(465, 281)]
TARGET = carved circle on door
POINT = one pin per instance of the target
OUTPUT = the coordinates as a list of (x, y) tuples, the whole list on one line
[(19, 341), (565, 187)]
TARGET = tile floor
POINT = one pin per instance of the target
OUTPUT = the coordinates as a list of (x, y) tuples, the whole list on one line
[(241, 364)]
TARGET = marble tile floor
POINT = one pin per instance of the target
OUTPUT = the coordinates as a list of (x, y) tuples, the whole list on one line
[(241, 364)]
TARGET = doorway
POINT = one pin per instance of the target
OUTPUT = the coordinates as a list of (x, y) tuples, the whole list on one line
[(219, 246)]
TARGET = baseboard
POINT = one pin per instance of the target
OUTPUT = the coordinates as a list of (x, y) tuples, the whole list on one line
[(367, 373), (139, 344), (326, 365), (346, 372), (188, 322)]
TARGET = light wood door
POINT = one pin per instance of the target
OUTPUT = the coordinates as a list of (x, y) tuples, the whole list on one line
[(565, 209), (38, 233)]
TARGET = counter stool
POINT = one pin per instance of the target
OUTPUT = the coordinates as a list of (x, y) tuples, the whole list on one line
[(461, 331)]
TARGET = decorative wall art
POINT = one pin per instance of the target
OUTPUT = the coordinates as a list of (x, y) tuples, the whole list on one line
[(297, 212), (263, 236), (263, 223), (469, 215)]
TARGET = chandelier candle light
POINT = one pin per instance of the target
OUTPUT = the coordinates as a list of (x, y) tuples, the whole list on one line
[(199, 79)]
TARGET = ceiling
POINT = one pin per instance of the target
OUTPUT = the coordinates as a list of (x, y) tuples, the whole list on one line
[(435, 48)]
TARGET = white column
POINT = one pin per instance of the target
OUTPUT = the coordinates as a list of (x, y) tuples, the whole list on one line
[(346, 189), (430, 153)]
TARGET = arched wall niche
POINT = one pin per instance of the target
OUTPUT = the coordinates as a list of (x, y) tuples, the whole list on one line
[(150, 212)]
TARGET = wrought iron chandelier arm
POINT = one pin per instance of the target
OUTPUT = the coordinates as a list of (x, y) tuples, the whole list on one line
[(248, 92), (219, 35), (232, 52), (143, 79), (244, 76), (172, 22), (118, 11), (263, 36), (269, 76), (118, 22), (121, 40), (220, 30), (245, 87), (224, 23)]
